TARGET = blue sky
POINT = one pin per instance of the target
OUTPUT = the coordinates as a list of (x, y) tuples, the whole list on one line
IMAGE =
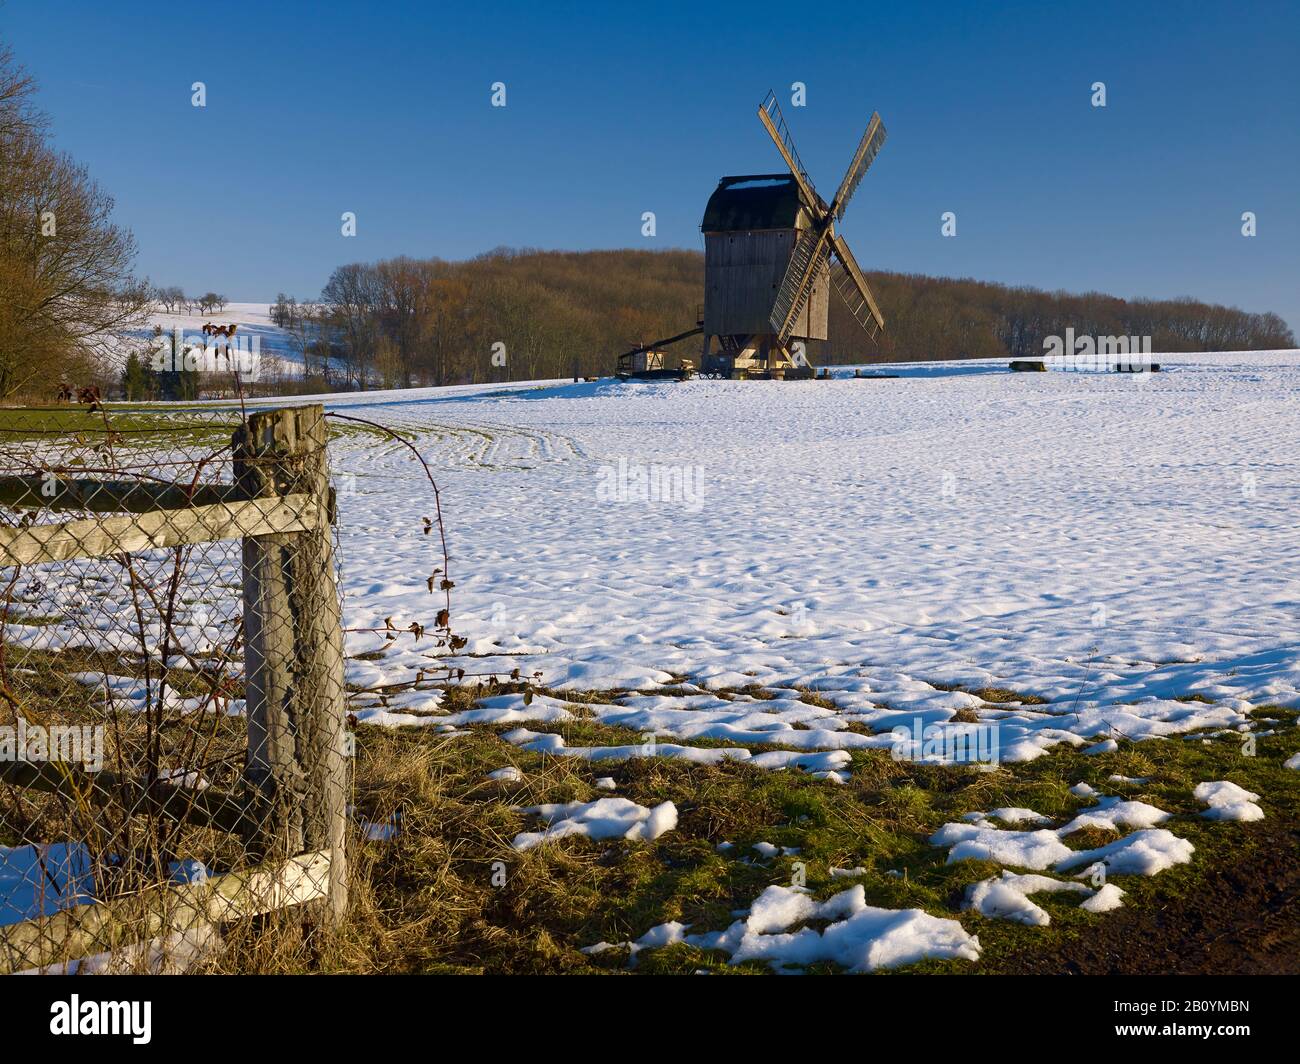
[(384, 109)]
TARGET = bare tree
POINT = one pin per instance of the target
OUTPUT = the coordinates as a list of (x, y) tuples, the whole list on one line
[(65, 268), (283, 310), (351, 300), (171, 298), (210, 301), (305, 333)]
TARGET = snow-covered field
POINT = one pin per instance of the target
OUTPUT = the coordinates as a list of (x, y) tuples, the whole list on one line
[(1102, 541), (1108, 543), (253, 319), (805, 568)]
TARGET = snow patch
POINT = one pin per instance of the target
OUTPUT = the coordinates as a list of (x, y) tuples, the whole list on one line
[(605, 818), (1144, 853), (1008, 897), (1023, 849), (857, 937), (1107, 898), (1227, 801), (1111, 814)]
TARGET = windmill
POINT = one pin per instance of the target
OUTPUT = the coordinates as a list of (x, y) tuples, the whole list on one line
[(771, 255)]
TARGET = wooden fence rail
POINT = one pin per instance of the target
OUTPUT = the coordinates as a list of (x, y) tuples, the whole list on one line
[(82, 931), (293, 814), (53, 491), (100, 537)]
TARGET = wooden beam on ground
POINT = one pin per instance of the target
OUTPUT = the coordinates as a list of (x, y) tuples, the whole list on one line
[(99, 537), (121, 923)]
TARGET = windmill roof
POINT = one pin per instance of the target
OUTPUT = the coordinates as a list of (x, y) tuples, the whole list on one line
[(753, 201)]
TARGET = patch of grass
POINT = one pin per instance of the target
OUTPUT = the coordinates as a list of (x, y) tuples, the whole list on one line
[(815, 698), (429, 901), (1275, 713), (994, 695), (183, 425), (448, 893), (142, 424)]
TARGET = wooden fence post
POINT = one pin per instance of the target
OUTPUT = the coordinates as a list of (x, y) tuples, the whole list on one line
[(296, 702)]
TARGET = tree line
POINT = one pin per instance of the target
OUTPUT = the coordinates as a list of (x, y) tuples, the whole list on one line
[(505, 315), (944, 318), (173, 300), (527, 314)]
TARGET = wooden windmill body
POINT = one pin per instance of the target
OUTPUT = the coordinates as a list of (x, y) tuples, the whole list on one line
[(771, 257)]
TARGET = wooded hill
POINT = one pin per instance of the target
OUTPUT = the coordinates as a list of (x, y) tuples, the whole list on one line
[(427, 321)]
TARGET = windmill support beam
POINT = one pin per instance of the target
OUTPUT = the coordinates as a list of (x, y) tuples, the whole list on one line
[(758, 356)]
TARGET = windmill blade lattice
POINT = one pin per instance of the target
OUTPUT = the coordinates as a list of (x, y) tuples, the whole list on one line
[(868, 148)]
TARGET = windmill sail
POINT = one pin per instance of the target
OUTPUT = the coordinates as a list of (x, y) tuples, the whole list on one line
[(852, 286), (817, 241), (868, 148), (806, 262), (769, 113)]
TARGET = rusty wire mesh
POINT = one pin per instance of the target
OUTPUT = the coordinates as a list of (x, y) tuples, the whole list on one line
[(143, 817)]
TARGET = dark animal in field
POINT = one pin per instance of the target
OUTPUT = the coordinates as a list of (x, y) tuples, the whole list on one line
[(227, 331), (65, 393), (89, 396)]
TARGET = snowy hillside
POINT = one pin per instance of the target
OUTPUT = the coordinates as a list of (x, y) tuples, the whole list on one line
[(253, 319), (279, 350)]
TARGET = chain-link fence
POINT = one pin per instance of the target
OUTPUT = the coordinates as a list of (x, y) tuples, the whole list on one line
[(172, 715)]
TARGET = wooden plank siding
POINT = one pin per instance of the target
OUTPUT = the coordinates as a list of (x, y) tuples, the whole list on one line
[(742, 275)]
